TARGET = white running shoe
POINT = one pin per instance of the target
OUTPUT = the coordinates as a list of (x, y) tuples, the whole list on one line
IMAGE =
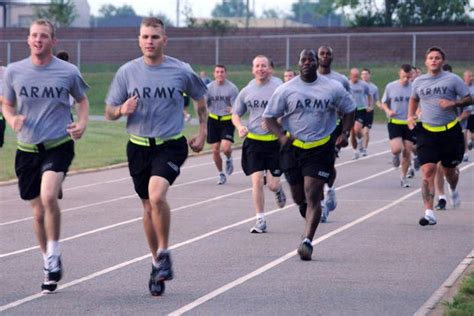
[(229, 166), (428, 219), (404, 182), (280, 198), (260, 227), (356, 155), (455, 199), (222, 179), (330, 199)]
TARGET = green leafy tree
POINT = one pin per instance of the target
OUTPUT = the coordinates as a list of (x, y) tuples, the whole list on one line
[(231, 8), (434, 12), (310, 11), (60, 12), (109, 10)]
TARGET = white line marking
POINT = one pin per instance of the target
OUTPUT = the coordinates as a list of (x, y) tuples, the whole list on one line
[(126, 263), (430, 304)]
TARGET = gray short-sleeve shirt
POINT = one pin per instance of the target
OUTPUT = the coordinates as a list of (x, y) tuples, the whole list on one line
[(160, 95), (220, 98), (360, 91), (42, 96), (397, 97)]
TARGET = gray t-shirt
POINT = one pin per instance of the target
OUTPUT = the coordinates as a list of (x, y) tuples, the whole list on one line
[(397, 96), (42, 96), (334, 75), (254, 98), (428, 90), (308, 110), (160, 91), (360, 91), (220, 98), (469, 108), (273, 79), (374, 94)]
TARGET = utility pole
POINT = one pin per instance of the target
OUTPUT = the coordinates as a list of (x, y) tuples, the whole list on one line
[(177, 13), (247, 14)]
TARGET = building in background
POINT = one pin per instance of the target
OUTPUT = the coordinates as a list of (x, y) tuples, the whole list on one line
[(20, 13)]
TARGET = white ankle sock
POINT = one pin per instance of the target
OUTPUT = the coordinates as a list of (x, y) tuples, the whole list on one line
[(442, 197), (260, 215), (52, 248)]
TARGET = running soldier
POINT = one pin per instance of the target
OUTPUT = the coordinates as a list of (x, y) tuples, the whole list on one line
[(308, 106), (221, 94), (149, 91), (468, 115), (325, 56), (260, 148), (439, 138), (40, 86), (361, 94), (395, 104), (288, 75), (2, 120), (374, 96)]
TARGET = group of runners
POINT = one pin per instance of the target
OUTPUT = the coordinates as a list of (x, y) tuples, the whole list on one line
[(295, 128)]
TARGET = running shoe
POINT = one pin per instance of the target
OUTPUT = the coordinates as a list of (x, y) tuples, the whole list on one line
[(302, 208), (48, 286), (324, 213), (330, 199), (229, 166), (260, 227), (416, 163), (396, 161), (164, 268), (404, 182), (52, 275), (363, 152), (222, 179), (280, 198), (411, 172), (305, 250), (455, 199), (356, 155), (441, 206), (428, 219), (470, 145)]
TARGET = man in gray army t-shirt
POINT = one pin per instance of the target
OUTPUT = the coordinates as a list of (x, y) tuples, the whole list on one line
[(260, 148), (220, 96), (361, 94), (40, 86), (439, 136), (149, 91), (308, 106)]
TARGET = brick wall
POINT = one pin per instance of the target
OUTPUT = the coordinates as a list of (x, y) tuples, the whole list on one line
[(198, 46)]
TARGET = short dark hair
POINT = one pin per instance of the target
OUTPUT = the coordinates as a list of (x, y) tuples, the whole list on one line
[(153, 22), (329, 48), (63, 55), (407, 68), (447, 67), (435, 49), (290, 70), (365, 69), (221, 66)]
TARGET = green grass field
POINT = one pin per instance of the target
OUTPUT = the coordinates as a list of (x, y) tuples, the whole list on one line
[(463, 303), (104, 142)]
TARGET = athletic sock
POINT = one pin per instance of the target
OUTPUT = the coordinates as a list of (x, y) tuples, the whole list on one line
[(441, 197), (52, 248), (429, 213), (260, 215)]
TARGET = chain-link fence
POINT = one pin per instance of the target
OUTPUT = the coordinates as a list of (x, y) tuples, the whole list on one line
[(349, 48)]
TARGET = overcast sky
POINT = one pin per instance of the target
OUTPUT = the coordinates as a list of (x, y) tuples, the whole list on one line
[(200, 8)]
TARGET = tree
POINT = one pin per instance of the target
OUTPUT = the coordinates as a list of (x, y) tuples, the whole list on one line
[(60, 12), (109, 10), (315, 13), (231, 8), (271, 14), (434, 12)]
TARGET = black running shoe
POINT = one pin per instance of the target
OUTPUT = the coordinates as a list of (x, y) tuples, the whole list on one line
[(305, 250), (155, 285), (441, 206), (165, 271), (55, 268)]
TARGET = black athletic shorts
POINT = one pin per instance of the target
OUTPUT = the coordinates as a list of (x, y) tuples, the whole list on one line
[(2, 130), (219, 130), (470, 123), (163, 160), (402, 131), (370, 119), (317, 162), (29, 167), (447, 146), (362, 117), (261, 155)]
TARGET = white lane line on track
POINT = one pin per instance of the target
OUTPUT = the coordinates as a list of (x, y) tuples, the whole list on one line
[(126, 263), (111, 200), (174, 186), (270, 265)]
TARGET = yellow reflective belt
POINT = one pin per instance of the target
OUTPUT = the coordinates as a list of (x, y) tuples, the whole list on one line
[(263, 138), (398, 122), (226, 117), (308, 145), (145, 141), (441, 128), (32, 148)]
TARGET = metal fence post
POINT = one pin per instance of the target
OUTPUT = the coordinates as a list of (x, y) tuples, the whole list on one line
[(79, 54), (413, 58), (217, 51), (348, 54), (287, 52), (9, 52)]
